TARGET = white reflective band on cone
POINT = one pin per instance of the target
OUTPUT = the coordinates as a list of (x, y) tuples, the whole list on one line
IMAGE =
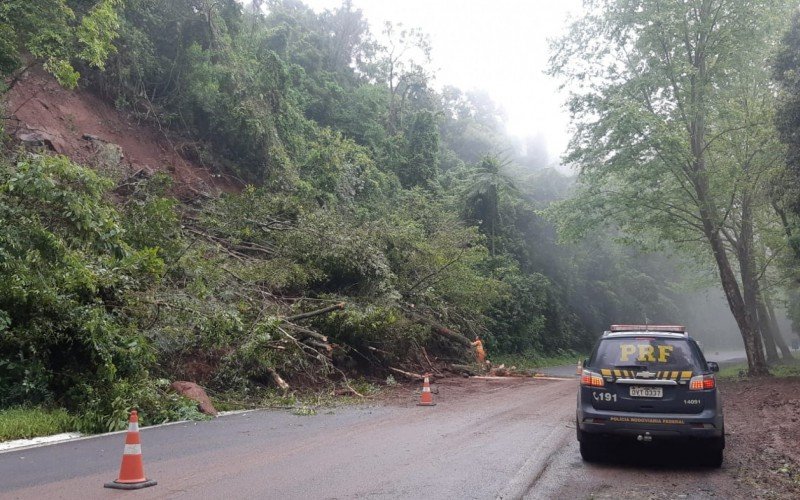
[(133, 426), (132, 449), (426, 389)]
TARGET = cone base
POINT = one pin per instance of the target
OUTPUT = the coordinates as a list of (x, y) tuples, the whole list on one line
[(130, 486), (426, 404)]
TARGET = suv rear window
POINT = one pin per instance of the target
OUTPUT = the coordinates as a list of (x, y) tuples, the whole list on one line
[(650, 353)]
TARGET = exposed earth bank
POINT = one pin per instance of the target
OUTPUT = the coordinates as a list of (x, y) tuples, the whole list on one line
[(763, 443)]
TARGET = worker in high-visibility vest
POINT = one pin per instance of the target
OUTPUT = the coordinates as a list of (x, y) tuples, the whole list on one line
[(480, 353)]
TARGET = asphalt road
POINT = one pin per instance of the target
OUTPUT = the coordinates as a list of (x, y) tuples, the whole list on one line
[(484, 439)]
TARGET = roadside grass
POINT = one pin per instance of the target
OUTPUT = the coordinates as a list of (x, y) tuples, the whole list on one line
[(780, 370), (29, 422), (531, 360)]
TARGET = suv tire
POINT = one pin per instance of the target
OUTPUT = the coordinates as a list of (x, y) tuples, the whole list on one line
[(590, 448), (712, 453)]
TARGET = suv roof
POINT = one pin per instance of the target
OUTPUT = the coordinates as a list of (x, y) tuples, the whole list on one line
[(663, 335), (664, 331)]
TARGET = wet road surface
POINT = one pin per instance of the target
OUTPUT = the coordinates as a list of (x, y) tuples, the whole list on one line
[(511, 438)]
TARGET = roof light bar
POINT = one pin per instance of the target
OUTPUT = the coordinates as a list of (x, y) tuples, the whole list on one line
[(648, 328)]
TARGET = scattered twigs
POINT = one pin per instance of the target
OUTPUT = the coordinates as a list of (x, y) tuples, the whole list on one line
[(307, 336), (435, 272), (430, 365), (239, 249), (318, 312), (321, 357), (271, 224)]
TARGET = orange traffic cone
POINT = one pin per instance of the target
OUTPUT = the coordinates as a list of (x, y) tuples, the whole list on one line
[(579, 368), (131, 472), (426, 398)]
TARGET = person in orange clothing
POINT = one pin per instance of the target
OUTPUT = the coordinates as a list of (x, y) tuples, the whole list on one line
[(480, 353)]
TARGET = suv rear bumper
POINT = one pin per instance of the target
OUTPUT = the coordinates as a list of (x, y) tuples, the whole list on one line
[(705, 425)]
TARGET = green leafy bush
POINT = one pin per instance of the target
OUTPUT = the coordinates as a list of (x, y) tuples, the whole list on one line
[(65, 272)]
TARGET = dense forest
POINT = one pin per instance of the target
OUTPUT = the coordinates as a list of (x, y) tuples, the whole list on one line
[(356, 186)]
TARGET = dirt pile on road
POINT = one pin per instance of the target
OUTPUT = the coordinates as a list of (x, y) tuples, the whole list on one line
[(83, 127), (762, 417)]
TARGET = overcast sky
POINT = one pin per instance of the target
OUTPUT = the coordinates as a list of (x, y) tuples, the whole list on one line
[(496, 45)]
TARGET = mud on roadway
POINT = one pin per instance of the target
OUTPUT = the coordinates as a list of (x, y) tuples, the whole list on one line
[(762, 457), (502, 438)]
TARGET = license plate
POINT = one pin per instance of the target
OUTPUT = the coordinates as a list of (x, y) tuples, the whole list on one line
[(647, 392)]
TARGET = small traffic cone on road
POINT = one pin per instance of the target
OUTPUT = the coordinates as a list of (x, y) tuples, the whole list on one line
[(426, 398), (131, 472), (579, 368)]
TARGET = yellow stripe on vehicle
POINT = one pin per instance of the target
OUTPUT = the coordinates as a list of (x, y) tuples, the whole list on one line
[(617, 373), (605, 372), (686, 374), (675, 375)]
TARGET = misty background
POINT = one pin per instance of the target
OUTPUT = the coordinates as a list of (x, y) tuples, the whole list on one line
[(502, 47)]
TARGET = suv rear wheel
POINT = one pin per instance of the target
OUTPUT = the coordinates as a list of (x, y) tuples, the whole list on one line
[(590, 448), (712, 453), (713, 458)]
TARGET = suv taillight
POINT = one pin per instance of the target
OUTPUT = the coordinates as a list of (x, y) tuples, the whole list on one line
[(592, 379), (702, 383)]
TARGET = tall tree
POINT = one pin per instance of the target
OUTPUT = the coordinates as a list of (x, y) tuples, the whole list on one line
[(487, 185), (401, 64), (786, 72), (651, 90), (421, 161)]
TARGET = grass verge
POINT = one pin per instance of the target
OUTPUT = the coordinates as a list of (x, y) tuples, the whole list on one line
[(532, 360), (780, 370), (29, 422)]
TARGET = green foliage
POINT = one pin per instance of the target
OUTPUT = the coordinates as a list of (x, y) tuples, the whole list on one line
[(53, 34), (421, 164), (784, 192), (368, 187), (108, 408), (65, 273), (21, 422)]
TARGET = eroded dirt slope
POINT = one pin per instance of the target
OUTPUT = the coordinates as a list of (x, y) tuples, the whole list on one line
[(85, 128)]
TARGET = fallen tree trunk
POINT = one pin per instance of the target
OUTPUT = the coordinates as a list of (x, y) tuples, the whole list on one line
[(443, 331), (305, 333), (412, 376), (319, 345), (318, 312), (469, 370), (278, 380)]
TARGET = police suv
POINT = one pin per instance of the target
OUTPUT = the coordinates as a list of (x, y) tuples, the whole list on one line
[(647, 383)]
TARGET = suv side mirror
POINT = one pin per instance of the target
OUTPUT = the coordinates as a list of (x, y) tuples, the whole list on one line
[(585, 362), (713, 366)]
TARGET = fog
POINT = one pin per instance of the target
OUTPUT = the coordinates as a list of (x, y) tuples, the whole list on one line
[(709, 320), (500, 46)]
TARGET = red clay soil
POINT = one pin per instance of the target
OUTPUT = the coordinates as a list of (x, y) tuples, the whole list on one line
[(37, 104), (762, 419)]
